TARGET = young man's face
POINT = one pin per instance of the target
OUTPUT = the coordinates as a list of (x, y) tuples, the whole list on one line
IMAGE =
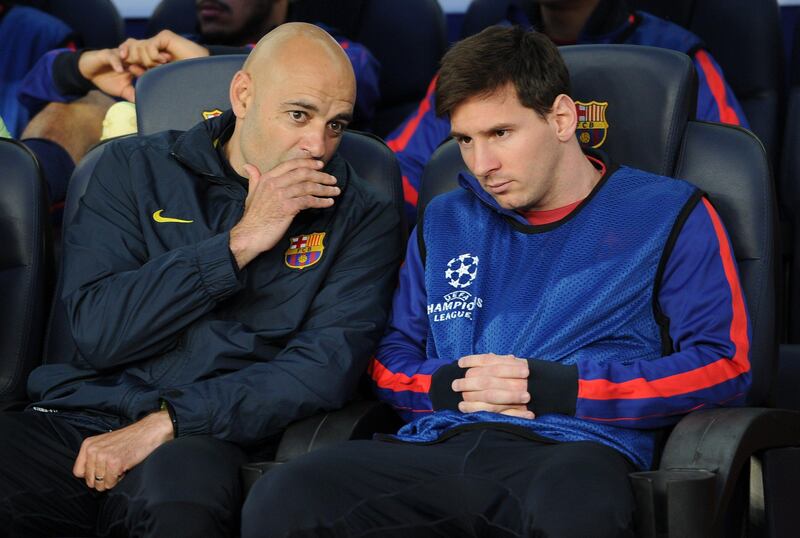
[(235, 22), (509, 148)]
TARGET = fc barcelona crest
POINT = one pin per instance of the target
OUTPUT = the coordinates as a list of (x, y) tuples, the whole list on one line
[(592, 125), (208, 114), (304, 250)]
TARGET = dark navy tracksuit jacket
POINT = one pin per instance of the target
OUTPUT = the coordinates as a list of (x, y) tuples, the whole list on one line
[(159, 311)]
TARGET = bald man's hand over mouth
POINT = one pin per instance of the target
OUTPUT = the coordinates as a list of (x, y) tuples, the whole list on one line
[(274, 199)]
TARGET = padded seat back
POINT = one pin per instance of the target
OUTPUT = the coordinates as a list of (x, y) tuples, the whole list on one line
[(25, 267), (180, 94), (789, 194), (97, 22), (408, 38), (753, 66)]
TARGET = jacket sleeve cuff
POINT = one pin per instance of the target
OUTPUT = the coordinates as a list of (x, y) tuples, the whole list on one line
[(66, 75), (186, 421), (441, 392), (553, 387), (213, 258)]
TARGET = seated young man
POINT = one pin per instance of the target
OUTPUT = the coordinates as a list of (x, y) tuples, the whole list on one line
[(550, 315), (216, 287), (574, 22)]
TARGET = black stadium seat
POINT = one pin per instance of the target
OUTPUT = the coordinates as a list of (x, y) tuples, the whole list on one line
[(97, 22), (408, 38), (753, 66), (25, 268), (789, 189)]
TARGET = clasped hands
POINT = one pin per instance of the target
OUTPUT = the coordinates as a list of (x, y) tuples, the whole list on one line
[(496, 383)]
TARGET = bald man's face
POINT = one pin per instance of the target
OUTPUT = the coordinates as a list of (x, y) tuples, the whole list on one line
[(302, 100)]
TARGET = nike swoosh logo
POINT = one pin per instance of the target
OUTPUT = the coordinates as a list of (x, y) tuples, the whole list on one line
[(158, 218)]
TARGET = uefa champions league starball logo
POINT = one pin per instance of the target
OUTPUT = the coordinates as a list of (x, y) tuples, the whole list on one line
[(462, 270)]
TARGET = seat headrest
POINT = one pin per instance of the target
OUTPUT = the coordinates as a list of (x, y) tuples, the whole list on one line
[(633, 101), (180, 94)]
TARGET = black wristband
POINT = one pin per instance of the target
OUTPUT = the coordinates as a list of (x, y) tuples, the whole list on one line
[(67, 76), (553, 387), (441, 392)]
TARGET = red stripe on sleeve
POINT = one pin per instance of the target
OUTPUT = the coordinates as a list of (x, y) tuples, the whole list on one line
[(410, 194), (698, 379), (398, 382), (717, 86), (400, 143)]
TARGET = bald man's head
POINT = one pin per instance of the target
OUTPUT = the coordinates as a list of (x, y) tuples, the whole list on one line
[(297, 41), (292, 98)]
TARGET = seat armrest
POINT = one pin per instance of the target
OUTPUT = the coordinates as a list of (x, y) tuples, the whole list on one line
[(357, 420), (723, 440)]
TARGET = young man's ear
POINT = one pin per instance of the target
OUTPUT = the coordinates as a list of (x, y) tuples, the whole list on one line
[(564, 117), (241, 93)]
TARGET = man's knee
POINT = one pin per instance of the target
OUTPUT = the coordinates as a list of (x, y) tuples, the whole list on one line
[(585, 492), (182, 488), (286, 498)]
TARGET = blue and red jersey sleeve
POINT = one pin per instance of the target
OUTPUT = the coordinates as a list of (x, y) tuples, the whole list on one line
[(715, 99), (37, 88), (413, 142), (701, 296), (401, 371)]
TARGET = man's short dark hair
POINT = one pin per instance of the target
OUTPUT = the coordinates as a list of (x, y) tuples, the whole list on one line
[(485, 62)]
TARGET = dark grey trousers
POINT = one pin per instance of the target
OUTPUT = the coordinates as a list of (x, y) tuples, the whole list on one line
[(477, 483)]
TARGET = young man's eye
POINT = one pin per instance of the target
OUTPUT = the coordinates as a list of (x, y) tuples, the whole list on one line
[(463, 140), (500, 133), (337, 127)]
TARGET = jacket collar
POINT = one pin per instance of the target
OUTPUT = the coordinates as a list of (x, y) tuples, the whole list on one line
[(470, 183), (197, 147)]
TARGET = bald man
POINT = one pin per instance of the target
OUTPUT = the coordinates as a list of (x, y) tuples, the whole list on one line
[(219, 283)]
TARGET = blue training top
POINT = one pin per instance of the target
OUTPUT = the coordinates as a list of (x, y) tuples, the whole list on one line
[(629, 311)]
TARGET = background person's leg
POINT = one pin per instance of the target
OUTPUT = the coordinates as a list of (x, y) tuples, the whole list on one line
[(186, 487), (39, 496), (74, 126)]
